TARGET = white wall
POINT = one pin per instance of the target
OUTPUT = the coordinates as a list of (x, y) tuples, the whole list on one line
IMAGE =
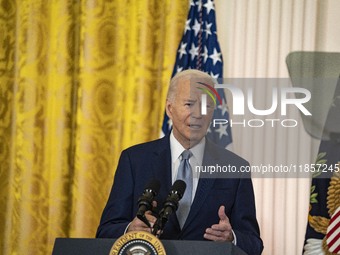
[(256, 37)]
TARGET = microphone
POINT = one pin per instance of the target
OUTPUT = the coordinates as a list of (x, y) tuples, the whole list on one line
[(145, 200), (170, 206)]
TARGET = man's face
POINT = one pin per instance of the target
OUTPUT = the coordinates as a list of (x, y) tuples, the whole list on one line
[(189, 125)]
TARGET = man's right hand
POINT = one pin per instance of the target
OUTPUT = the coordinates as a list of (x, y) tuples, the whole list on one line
[(138, 225)]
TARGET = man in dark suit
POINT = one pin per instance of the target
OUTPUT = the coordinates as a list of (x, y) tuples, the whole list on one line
[(221, 208)]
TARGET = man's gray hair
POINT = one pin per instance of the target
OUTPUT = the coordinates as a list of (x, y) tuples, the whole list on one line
[(186, 75)]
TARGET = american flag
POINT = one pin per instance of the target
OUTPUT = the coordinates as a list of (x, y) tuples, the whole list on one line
[(199, 49)]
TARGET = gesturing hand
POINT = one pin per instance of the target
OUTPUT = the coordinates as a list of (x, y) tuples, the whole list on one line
[(221, 231)]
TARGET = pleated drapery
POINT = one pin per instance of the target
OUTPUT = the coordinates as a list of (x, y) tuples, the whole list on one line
[(79, 82)]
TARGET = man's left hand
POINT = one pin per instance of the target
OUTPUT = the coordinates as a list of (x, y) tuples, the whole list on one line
[(221, 231)]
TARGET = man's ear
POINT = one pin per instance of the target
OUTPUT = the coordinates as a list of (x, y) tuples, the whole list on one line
[(168, 108)]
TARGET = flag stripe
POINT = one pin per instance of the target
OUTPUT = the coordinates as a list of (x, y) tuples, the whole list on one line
[(333, 232), (337, 250), (334, 237), (333, 226)]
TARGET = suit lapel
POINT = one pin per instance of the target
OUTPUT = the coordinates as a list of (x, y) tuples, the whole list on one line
[(203, 187), (161, 165)]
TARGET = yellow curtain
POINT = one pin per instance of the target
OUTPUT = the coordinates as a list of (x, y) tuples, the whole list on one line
[(79, 82)]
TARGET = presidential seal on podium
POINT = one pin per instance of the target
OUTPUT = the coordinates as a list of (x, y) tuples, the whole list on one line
[(137, 243)]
